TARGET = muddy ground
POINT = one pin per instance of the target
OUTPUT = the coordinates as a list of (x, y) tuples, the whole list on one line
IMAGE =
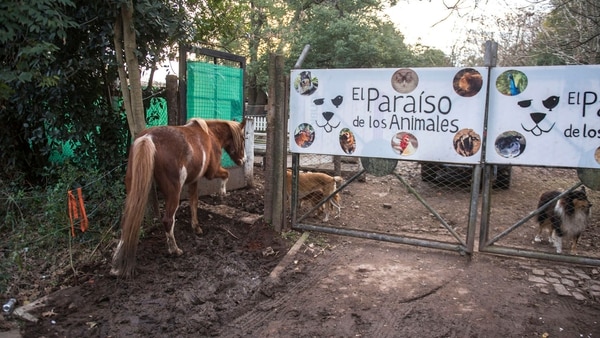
[(236, 280)]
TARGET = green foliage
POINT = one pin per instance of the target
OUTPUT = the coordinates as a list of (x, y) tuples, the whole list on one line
[(355, 39), (342, 34), (58, 83), (569, 34), (160, 26), (30, 36), (59, 91), (35, 222), (216, 22)]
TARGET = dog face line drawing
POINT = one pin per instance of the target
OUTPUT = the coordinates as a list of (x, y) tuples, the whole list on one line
[(537, 117), (328, 115)]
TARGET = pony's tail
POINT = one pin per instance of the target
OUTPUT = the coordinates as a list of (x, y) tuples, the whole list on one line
[(140, 170)]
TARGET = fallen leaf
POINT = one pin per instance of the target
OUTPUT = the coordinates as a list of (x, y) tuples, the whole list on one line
[(49, 313)]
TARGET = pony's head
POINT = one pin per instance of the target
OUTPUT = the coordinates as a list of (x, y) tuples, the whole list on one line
[(231, 135), (237, 147)]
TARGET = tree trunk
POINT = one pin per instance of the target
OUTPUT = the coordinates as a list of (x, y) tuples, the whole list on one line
[(129, 71)]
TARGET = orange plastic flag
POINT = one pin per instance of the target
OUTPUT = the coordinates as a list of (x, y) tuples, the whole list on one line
[(76, 207)]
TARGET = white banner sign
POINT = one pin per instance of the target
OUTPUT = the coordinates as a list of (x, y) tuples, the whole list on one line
[(429, 114), (546, 116)]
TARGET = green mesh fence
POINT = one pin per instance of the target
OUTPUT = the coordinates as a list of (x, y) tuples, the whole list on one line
[(215, 92), (157, 114)]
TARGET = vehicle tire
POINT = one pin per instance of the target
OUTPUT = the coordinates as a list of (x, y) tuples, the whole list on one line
[(503, 178), (428, 172)]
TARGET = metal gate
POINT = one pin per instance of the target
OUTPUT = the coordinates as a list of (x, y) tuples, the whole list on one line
[(454, 208), (387, 200), (509, 222), (438, 204)]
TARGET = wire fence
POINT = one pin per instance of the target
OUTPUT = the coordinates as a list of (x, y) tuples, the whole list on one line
[(436, 205)]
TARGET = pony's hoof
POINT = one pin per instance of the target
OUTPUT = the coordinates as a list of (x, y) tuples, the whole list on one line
[(177, 252), (197, 229)]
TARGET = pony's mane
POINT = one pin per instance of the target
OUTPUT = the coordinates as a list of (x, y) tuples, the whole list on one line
[(200, 122), (236, 132), (234, 126)]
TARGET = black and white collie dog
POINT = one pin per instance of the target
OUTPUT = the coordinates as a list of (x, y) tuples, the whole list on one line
[(566, 218)]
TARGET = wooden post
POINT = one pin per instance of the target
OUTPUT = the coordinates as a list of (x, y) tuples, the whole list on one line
[(249, 165), (182, 85), (172, 100), (337, 165), (276, 154)]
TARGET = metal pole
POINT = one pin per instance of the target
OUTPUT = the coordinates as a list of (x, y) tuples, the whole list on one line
[(490, 58), (295, 169), (383, 237), (302, 57), (472, 223), (531, 214), (541, 255), (295, 157), (430, 209)]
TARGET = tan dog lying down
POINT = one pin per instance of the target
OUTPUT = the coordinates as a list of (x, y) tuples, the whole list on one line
[(314, 187)]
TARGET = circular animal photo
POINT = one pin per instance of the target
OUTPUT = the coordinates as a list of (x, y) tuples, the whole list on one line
[(304, 135), (305, 84), (347, 141), (589, 177), (379, 166), (466, 142), (404, 143), (510, 144), (511, 82), (405, 80), (597, 155), (467, 82)]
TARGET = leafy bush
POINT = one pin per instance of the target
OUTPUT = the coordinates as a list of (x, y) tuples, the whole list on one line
[(35, 222)]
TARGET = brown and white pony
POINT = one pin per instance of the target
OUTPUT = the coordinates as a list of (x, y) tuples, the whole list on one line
[(173, 156)]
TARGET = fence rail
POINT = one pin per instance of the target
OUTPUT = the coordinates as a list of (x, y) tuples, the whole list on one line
[(260, 133)]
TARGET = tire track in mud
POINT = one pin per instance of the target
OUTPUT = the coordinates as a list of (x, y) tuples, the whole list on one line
[(264, 311), (357, 269), (399, 305)]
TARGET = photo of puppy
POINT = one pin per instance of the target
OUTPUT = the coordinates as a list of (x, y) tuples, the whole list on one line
[(319, 184), (347, 141), (467, 142), (565, 218), (405, 80), (467, 82), (305, 84)]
